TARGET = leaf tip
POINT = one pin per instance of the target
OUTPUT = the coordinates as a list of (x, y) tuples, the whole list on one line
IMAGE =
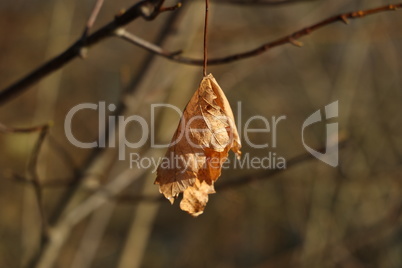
[(171, 199)]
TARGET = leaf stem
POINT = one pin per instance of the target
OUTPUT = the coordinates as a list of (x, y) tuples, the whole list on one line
[(205, 39)]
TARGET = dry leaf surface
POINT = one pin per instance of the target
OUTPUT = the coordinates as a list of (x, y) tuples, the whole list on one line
[(199, 148)]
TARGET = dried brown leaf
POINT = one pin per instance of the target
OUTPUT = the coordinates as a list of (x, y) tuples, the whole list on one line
[(199, 148)]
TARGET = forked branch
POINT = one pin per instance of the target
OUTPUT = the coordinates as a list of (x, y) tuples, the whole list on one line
[(32, 175), (289, 39), (148, 9)]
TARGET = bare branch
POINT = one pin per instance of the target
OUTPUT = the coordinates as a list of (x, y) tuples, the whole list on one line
[(122, 33), (32, 174), (89, 25), (92, 17), (148, 9), (172, 8), (289, 39), (62, 229), (262, 2), (34, 178), (239, 181), (6, 129), (236, 182), (54, 183)]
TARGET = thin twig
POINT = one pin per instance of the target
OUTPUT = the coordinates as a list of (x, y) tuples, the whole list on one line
[(262, 2), (172, 8), (238, 181), (125, 35), (54, 183), (32, 171), (92, 17), (62, 229), (289, 39), (148, 9), (32, 168), (95, 161), (75, 182), (204, 69), (7, 129)]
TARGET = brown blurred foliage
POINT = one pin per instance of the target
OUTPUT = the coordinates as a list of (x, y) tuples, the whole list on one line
[(311, 215)]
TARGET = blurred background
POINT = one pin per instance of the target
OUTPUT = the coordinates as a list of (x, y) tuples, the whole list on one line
[(102, 213)]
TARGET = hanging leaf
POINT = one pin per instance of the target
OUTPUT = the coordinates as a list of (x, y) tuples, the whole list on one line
[(199, 148)]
